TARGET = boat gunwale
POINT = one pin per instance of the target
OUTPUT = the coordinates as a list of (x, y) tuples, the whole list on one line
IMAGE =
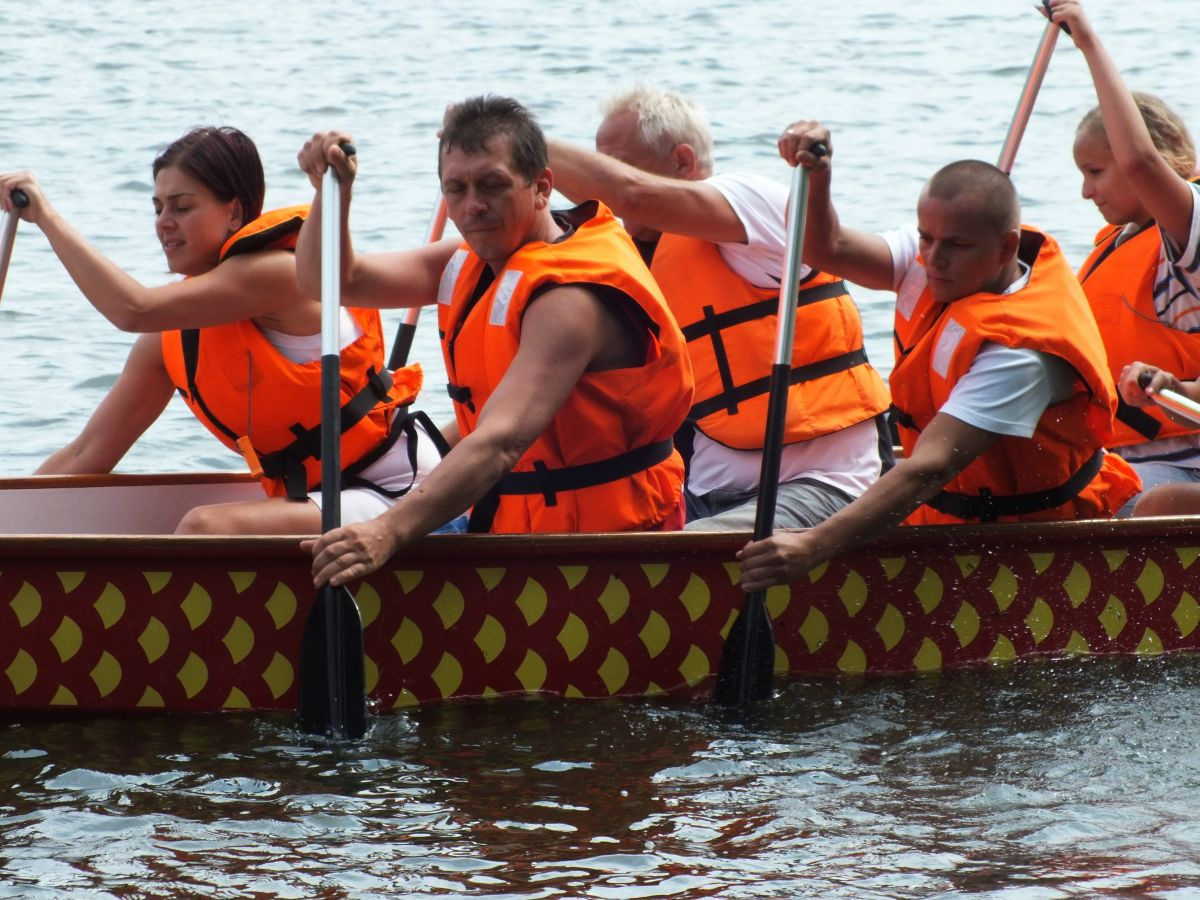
[(952, 538)]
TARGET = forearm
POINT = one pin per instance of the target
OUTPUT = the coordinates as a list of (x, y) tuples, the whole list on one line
[(884, 504), (455, 484), (581, 174), (117, 296)]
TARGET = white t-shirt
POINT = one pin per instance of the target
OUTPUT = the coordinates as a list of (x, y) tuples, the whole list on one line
[(1177, 302), (1007, 389), (847, 459), (392, 471)]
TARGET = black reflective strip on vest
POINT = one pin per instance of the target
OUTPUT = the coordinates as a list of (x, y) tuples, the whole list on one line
[(799, 375), (987, 507), (711, 324), (1137, 419), (551, 482)]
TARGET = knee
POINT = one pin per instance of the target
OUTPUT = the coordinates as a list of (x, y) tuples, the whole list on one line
[(203, 520), (1168, 500)]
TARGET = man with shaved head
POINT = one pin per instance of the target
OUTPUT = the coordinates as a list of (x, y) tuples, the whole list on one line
[(1001, 391)]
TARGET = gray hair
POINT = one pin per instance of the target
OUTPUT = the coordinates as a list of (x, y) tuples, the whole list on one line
[(665, 119)]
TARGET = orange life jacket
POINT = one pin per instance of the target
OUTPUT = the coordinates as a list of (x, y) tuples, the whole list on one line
[(1061, 472), (1119, 283), (730, 326), (260, 404), (606, 461)]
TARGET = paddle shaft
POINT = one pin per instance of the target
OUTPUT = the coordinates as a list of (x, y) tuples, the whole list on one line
[(402, 345), (8, 234), (332, 698), (1033, 83), (781, 370), (748, 658)]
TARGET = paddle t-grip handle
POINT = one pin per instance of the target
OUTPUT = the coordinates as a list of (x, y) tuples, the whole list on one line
[(348, 148), (1066, 28), (1144, 380), (20, 198), (819, 150)]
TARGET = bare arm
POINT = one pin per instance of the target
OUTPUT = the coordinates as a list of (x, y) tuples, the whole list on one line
[(676, 205), (130, 407), (945, 448), (861, 256), (1165, 195), (253, 286), (562, 333), (379, 280)]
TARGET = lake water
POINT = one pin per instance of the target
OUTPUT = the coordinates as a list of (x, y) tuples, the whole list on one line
[(1044, 780)]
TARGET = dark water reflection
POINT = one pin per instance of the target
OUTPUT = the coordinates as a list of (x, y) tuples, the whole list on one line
[(1063, 778)]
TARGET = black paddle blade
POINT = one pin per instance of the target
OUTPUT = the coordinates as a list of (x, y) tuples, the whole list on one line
[(748, 658), (332, 693)]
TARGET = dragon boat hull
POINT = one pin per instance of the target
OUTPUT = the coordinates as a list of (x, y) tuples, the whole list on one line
[(138, 620)]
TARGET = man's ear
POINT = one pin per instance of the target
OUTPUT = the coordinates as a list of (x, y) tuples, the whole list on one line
[(683, 162), (544, 185)]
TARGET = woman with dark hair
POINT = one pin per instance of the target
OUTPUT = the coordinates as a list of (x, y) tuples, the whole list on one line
[(240, 343)]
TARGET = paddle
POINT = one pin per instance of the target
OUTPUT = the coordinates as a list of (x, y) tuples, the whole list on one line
[(8, 233), (408, 327), (332, 694), (1033, 83), (748, 658), (1172, 400)]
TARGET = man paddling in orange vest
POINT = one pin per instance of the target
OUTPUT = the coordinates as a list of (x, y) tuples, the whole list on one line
[(567, 371), (716, 245), (1001, 386)]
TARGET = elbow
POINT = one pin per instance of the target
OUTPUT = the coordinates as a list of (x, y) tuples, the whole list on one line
[(133, 318)]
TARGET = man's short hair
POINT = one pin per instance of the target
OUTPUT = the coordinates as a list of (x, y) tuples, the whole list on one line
[(665, 119), (471, 124), (990, 192)]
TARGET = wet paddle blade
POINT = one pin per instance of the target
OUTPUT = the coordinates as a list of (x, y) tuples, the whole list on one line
[(332, 696), (748, 656)]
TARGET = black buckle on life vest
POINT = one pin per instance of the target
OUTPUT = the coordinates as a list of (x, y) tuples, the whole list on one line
[(460, 395), (987, 507), (551, 482)]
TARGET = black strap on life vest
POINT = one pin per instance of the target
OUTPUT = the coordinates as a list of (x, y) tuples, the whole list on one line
[(1138, 419), (551, 482), (731, 397), (987, 507), (288, 462), (713, 324)]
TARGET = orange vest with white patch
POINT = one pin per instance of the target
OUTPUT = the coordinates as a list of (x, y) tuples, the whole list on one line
[(260, 404), (606, 461), (1119, 283), (1061, 472), (730, 326)]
